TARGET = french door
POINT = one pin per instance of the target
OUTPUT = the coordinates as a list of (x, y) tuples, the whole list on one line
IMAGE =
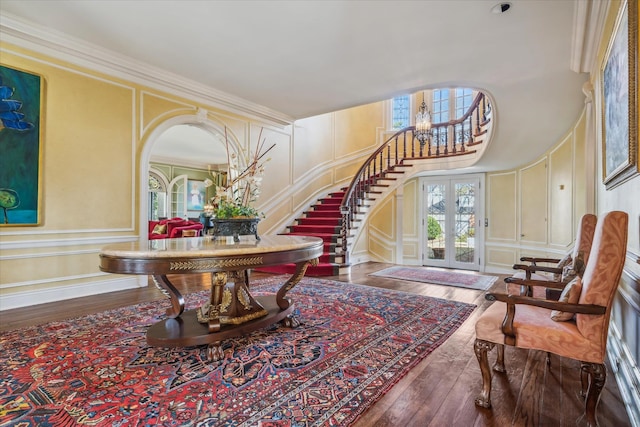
[(178, 197), (452, 222)]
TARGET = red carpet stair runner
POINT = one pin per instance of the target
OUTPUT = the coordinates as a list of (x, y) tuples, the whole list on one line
[(324, 221)]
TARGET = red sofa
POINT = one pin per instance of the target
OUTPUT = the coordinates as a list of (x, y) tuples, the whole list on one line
[(172, 228)]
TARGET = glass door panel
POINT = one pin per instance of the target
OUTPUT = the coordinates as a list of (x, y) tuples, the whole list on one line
[(436, 222), (465, 219), (451, 220)]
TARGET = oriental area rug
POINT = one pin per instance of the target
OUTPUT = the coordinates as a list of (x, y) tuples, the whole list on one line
[(353, 344), (438, 276)]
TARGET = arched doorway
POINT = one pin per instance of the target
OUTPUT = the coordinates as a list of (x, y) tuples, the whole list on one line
[(189, 142)]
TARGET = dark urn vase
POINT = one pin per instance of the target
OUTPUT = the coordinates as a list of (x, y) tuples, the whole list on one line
[(235, 227)]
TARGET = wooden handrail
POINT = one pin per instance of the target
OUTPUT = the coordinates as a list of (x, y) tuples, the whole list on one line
[(472, 108), (394, 152)]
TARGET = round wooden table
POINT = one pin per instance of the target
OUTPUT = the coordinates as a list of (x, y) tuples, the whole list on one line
[(232, 310)]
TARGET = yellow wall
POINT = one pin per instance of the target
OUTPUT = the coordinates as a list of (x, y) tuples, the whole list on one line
[(96, 131), (381, 232), (533, 210)]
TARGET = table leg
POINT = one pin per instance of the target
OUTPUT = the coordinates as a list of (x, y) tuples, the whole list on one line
[(210, 312), (215, 352), (238, 305), (231, 302), (167, 288), (290, 321), (301, 268)]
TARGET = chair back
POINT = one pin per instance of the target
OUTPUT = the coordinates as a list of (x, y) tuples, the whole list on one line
[(584, 237), (602, 275)]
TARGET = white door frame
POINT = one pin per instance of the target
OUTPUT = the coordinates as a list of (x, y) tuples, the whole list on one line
[(449, 259)]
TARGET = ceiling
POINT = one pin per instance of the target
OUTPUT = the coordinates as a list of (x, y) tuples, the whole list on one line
[(296, 59)]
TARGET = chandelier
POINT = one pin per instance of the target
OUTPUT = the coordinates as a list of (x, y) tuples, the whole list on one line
[(423, 124)]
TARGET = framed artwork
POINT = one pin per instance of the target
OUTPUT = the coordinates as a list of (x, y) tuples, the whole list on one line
[(620, 100), (196, 195), (21, 95)]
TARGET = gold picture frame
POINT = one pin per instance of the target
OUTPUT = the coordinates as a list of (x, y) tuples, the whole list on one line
[(620, 100)]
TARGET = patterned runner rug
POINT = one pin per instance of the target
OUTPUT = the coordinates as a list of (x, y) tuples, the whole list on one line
[(353, 344), (438, 276)]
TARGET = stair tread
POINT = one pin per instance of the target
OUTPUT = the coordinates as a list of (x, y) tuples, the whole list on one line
[(324, 227), (299, 233), (319, 221), (323, 220), (323, 213)]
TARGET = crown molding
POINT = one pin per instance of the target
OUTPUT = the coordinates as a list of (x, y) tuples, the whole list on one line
[(24, 34), (588, 23)]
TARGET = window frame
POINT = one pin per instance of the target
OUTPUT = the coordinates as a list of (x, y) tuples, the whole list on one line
[(410, 109)]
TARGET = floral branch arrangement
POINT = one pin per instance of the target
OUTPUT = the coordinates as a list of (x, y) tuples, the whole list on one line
[(234, 198)]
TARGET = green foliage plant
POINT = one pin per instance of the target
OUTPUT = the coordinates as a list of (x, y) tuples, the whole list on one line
[(433, 228), (228, 210)]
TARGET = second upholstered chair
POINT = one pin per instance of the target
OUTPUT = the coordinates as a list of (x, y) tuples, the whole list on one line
[(575, 327), (563, 270)]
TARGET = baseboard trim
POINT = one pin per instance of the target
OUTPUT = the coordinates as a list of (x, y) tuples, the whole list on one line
[(625, 372), (60, 293)]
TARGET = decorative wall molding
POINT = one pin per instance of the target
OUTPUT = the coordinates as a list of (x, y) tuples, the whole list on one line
[(51, 280), (307, 179), (490, 182), (629, 289), (48, 254), (559, 251), (50, 243), (626, 373), (380, 239), (28, 298)]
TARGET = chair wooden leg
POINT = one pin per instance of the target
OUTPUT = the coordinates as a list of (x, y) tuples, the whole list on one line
[(597, 373), (499, 365), (481, 348), (584, 381)]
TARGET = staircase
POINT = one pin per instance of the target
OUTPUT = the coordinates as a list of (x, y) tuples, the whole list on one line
[(322, 220), (336, 218)]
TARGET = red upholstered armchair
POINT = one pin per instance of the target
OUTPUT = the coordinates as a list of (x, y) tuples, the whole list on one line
[(171, 228)]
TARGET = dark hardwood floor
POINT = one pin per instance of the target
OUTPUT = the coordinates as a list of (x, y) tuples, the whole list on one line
[(439, 391)]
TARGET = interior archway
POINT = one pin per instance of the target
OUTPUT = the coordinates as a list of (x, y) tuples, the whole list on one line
[(185, 141)]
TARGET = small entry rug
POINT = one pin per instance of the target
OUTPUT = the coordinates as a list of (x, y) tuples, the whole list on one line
[(353, 344), (438, 276)]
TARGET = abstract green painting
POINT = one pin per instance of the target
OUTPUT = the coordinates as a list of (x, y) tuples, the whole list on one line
[(20, 150)]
